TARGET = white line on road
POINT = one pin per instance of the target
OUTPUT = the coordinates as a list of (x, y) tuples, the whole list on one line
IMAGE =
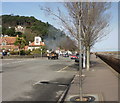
[(62, 70)]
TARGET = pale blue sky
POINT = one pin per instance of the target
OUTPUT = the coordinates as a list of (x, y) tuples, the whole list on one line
[(110, 42)]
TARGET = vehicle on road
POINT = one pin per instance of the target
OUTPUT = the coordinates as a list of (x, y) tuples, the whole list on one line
[(73, 57), (52, 55), (66, 55), (77, 59)]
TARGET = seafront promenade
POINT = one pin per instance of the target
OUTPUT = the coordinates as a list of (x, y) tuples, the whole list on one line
[(101, 81)]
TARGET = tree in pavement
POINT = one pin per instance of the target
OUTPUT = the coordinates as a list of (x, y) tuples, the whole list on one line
[(86, 22), (93, 18)]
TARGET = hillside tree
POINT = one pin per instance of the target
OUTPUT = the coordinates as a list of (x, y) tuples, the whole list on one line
[(20, 42)]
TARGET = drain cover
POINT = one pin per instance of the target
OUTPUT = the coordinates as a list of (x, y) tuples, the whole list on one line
[(85, 98)]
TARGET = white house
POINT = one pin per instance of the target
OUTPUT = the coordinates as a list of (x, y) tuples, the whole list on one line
[(36, 44)]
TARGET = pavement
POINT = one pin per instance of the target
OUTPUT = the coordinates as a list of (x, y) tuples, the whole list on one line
[(101, 81), (21, 78)]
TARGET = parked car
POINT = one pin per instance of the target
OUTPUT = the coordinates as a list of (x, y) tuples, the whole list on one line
[(73, 57), (66, 55), (77, 59)]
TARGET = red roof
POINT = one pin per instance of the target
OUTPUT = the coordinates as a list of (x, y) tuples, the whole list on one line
[(8, 40), (8, 47), (33, 44)]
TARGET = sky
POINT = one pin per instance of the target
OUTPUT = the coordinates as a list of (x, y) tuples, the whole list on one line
[(109, 43)]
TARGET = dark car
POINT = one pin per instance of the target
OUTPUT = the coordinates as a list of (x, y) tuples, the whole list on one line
[(52, 55), (77, 59)]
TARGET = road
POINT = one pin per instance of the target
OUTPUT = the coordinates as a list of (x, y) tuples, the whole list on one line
[(21, 78)]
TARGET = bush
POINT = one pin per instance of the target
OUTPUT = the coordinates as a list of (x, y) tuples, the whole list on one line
[(36, 51), (22, 52), (27, 52), (14, 52)]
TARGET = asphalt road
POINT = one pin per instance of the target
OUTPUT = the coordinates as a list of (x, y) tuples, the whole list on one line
[(21, 78)]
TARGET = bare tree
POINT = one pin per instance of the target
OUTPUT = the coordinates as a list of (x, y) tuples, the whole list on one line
[(86, 22), (68, 44), (94, 21)]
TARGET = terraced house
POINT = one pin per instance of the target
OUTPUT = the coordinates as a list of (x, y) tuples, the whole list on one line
[(7, 43)]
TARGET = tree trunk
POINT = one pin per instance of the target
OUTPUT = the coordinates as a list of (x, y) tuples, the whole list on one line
[(84, 58), (80, 61), (88, 58)]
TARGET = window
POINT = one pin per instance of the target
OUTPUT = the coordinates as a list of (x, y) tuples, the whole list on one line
[(37, 40), (3, 43)]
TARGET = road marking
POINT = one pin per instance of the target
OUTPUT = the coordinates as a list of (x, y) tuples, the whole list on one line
[(39, 82), (59, 93), (62, 70)]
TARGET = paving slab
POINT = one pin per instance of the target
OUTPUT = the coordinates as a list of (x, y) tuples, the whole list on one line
[(101, 80)]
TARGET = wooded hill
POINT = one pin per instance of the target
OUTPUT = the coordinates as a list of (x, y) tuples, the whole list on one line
[(51, 35)]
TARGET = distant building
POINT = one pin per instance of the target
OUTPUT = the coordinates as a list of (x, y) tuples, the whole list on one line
[(20, 29), (7, 43), (36, 44), (1, 35), (63, 52)]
